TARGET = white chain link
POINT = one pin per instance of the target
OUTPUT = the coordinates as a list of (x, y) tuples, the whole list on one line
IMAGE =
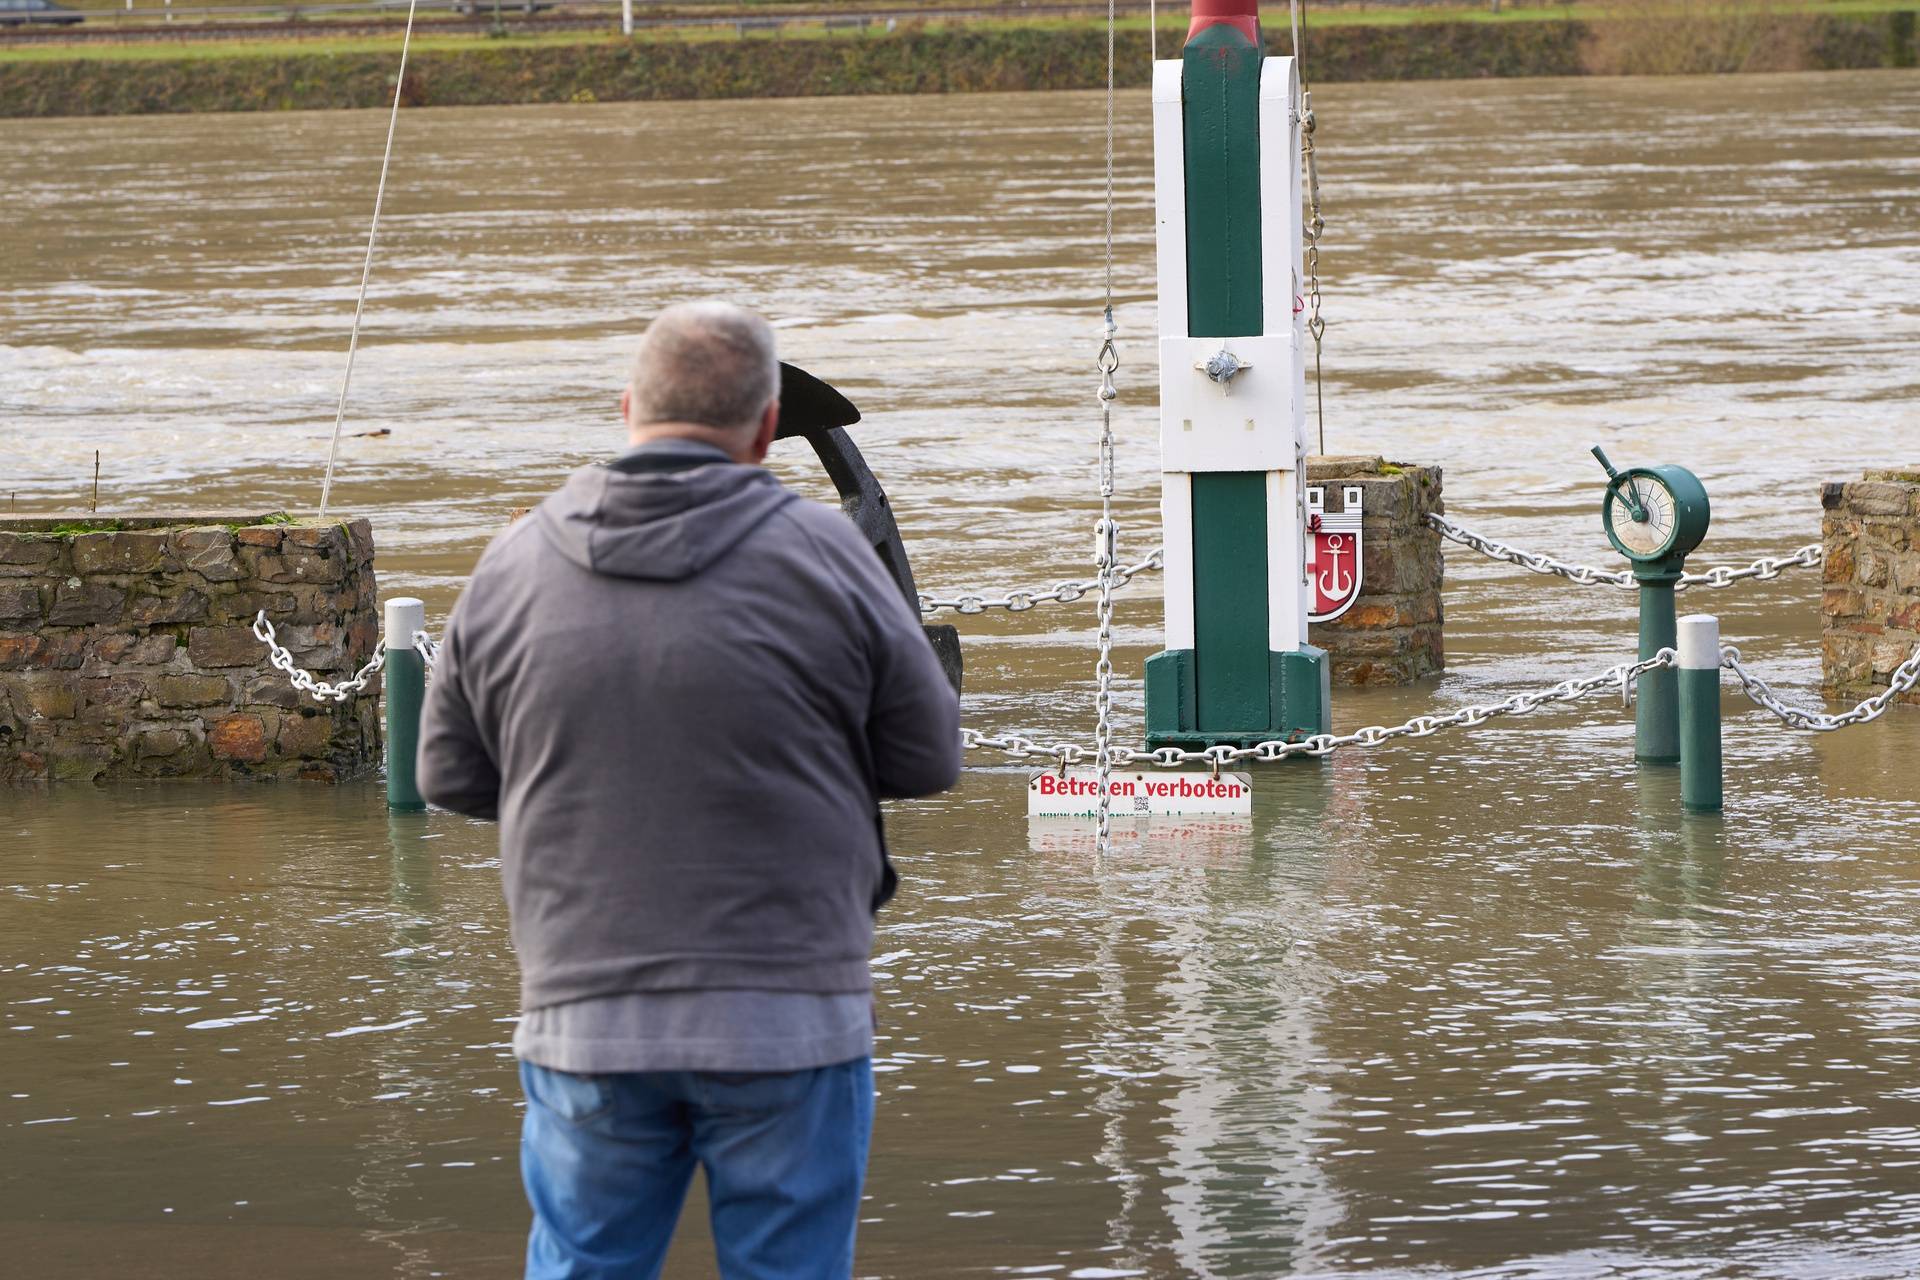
[(304, 681), (1901, 682), (1587, 575), (427, 647), (1105, 535), (1621, 677), (1019, 601), (1810, 556)]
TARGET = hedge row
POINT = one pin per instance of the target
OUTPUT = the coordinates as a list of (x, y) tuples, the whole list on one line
[(967, 60)]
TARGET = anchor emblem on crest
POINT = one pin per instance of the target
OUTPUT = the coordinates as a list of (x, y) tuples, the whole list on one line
[(1333, 553)]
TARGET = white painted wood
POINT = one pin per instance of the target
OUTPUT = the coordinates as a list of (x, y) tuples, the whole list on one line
[(1287, 601), (1170, 195), (1245, 426), (1280, 266), (1282, 228), (1176, 578)]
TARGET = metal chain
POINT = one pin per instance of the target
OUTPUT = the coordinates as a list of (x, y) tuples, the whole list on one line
[(320, 690), (427, 647), (1316, 222), (1810, 556), (1902, 681), (1021, 600), (1621, 677), (1106, 534), (1587, 575)]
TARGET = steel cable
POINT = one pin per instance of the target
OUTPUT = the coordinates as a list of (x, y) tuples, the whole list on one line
[(366, 267)]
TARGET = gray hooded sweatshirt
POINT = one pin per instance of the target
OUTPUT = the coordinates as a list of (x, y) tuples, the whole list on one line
[(683, 694)]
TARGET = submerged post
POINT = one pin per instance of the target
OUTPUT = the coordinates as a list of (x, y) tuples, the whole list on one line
[(1698, 677), (1656, 717), (406, 692), (1237, 668)]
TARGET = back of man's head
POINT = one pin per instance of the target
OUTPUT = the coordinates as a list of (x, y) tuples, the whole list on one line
[(708, 364)]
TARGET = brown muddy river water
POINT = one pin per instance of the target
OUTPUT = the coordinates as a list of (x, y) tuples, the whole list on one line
[(1483, 1003)]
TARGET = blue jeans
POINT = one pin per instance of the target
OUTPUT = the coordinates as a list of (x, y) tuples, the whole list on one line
[(607, 1160)]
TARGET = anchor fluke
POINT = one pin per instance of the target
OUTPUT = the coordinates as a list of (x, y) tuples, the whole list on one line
[(809, 407)]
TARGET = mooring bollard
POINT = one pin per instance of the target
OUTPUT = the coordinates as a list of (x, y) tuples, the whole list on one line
[(1698, 676), (406, 692)]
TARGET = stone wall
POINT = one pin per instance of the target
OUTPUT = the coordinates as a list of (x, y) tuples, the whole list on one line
[(1871, 606), (126, 648), (1393, 632)]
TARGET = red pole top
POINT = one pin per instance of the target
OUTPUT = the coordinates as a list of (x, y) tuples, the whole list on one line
[(1244, 14)]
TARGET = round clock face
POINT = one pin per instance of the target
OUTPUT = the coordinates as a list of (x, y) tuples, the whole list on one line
[(1650, 532)]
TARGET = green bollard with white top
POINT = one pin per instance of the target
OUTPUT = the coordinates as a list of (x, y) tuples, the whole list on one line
[(406, 694), (1697, 676)]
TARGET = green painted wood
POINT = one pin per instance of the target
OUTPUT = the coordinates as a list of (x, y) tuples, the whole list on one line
[(1230, 599), (1299, 691), (1170, 696), (1221, 87)]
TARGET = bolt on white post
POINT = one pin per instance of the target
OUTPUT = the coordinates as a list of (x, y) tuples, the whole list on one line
[(1698, 676)]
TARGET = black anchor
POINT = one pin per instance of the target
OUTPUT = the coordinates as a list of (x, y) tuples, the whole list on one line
[(816, 412)]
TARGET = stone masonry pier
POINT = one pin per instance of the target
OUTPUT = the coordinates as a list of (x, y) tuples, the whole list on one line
[(1870, 609), (126, 647), (1393, 633)]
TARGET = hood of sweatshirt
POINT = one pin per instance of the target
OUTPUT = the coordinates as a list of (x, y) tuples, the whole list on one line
[(664, 526)]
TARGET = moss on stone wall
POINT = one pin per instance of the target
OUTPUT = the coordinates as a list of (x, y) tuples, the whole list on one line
[(961, 60)]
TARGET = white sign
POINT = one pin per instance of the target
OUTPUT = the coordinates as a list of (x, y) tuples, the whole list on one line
[(1076, 794)]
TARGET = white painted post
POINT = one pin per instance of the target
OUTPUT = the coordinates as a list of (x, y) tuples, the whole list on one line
[(404, 616), (626, 17), (1283, 242), (1248, 422), (1698, 680), (405, 685)]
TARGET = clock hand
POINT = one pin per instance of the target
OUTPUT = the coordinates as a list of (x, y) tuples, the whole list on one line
[(1627, 495)]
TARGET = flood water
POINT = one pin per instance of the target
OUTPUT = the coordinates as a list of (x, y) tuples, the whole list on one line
[(1484, 1003)]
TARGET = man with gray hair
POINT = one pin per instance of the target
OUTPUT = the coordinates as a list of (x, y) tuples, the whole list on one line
[(683, 690)]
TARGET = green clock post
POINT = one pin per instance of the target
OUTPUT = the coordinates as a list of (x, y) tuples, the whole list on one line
[(1655, 517), (1237, 667)]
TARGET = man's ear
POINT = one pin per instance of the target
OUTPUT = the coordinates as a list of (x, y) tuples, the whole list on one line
[(626, 406), (763, 438)]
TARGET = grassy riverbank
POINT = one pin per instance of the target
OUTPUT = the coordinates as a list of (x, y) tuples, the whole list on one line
[(242, 75)]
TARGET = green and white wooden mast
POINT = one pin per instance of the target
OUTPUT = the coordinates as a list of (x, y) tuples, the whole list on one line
[(1226, 122)]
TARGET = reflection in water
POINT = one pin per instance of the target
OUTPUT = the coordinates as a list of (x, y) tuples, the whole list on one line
[(1477, 1003), (390, 1154)]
